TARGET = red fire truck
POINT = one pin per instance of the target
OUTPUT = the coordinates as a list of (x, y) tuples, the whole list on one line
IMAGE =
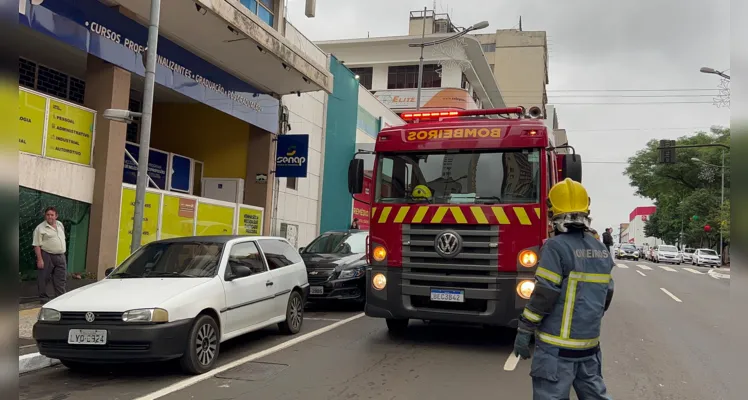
[(458, 214)]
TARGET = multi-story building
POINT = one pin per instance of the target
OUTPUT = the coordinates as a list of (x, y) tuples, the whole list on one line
[(634, 231), (519, 61), (456, 74)]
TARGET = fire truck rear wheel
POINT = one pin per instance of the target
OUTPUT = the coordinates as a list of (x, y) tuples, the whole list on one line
[(397, 326)]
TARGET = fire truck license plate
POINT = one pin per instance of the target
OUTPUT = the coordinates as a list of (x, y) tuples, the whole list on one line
[(454, 296)]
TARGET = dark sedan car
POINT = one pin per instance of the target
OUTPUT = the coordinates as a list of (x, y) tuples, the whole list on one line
[(336, 266)]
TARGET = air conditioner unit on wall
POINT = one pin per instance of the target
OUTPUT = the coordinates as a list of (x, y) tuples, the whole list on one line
[(224, 189)]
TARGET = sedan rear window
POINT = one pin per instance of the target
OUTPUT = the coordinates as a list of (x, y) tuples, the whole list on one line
[(338, 243), (668, 248), (708, 252)]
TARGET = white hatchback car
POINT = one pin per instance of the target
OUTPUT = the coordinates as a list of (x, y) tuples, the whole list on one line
[(177, 299), (706, 257)]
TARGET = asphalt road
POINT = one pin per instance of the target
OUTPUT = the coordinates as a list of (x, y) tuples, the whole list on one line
[(663, 338)]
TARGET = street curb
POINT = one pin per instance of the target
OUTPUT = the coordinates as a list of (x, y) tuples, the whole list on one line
[(34, 362), (718, 275)]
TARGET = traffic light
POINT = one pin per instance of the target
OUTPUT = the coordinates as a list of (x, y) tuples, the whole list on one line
[(667, 152)]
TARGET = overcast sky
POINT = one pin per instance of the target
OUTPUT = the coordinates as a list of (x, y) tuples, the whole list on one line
[(612, 46)]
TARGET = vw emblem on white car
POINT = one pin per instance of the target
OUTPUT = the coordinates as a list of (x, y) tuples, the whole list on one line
[(90, 317), (448, 244)]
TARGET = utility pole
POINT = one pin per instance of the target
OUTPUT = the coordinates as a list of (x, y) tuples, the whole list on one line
[(721, 206), (145, 126), (420, 63)]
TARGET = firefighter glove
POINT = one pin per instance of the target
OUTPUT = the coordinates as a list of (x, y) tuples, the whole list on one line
[(522, 343)]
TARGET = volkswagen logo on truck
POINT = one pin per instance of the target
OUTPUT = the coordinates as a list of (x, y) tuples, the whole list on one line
[(448, 244)]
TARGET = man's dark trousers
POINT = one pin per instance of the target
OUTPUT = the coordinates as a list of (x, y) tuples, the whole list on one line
[(55, 268)]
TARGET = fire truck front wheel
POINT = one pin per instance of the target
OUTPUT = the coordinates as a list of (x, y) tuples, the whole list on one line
[(397, 326)]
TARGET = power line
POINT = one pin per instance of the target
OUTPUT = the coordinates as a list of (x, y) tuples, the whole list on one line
[(594, 96), (634, 104), (637, 129), (613, 90)]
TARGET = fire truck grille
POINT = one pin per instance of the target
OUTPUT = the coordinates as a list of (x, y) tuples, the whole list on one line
[(475, 267)]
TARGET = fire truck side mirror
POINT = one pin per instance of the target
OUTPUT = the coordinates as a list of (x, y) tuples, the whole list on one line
[(356, 176), (572, 167)]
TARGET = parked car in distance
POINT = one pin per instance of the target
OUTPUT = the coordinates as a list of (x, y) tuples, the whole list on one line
[(687, 254), (177, 299), (706, 257), (628, 251), (667, 254), (336, 266)]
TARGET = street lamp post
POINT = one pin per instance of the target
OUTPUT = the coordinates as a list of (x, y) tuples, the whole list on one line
[(146, 117), (708, 70), (424, 44), (721, 200)]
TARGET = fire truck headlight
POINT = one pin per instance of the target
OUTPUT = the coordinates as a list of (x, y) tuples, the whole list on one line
[(525, 288), (379, 254), (528, 258), (379, 281)]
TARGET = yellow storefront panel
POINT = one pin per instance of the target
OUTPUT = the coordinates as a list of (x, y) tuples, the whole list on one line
[(150, 221), (250, 221), (31, 111), (178, 219), (69, 133), (214, 220)]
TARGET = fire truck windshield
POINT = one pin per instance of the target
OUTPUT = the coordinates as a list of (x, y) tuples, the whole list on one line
[(459, 177)]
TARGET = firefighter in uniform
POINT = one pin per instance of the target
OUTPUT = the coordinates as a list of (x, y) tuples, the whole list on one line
[(573, 289)]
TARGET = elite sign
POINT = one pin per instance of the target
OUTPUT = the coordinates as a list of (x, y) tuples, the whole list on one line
[(291, 156)]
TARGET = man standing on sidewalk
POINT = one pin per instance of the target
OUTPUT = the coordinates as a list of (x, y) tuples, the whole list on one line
[(49, 246)]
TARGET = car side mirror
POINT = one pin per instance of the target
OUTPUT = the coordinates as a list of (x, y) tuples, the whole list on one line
[(301, 249), (237, 271), (356, 176), (108, 271)]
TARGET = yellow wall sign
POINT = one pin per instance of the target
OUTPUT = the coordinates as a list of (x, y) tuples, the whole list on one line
[(70, 132), (31, 111), (214, 220), (150, 221), (459, 133), (250, 221)]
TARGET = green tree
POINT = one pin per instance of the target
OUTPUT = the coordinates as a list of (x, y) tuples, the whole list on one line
[(683, 189)]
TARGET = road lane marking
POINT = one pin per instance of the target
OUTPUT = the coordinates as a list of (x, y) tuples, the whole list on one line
[(640, 273), (255, 356), (666, 268), (644, 267), (671, 295), (624, 266), (693, 271), (322, 319), (716, 275)]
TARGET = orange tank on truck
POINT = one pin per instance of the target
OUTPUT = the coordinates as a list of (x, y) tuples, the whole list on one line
[(458, 214)]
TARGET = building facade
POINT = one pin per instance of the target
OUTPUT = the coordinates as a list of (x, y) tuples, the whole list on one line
[(519, 61), (634, 232), (456, 74), (223, 68)]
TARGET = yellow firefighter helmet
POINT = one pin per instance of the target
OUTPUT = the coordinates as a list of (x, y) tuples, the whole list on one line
[(568, 196), (421, 192)]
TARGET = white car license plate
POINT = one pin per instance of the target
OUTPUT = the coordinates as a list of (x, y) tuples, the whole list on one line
[(87, 336), (454, 296), (317, 290)]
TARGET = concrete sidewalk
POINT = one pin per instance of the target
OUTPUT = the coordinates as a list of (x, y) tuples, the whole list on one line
[(29, 358)]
